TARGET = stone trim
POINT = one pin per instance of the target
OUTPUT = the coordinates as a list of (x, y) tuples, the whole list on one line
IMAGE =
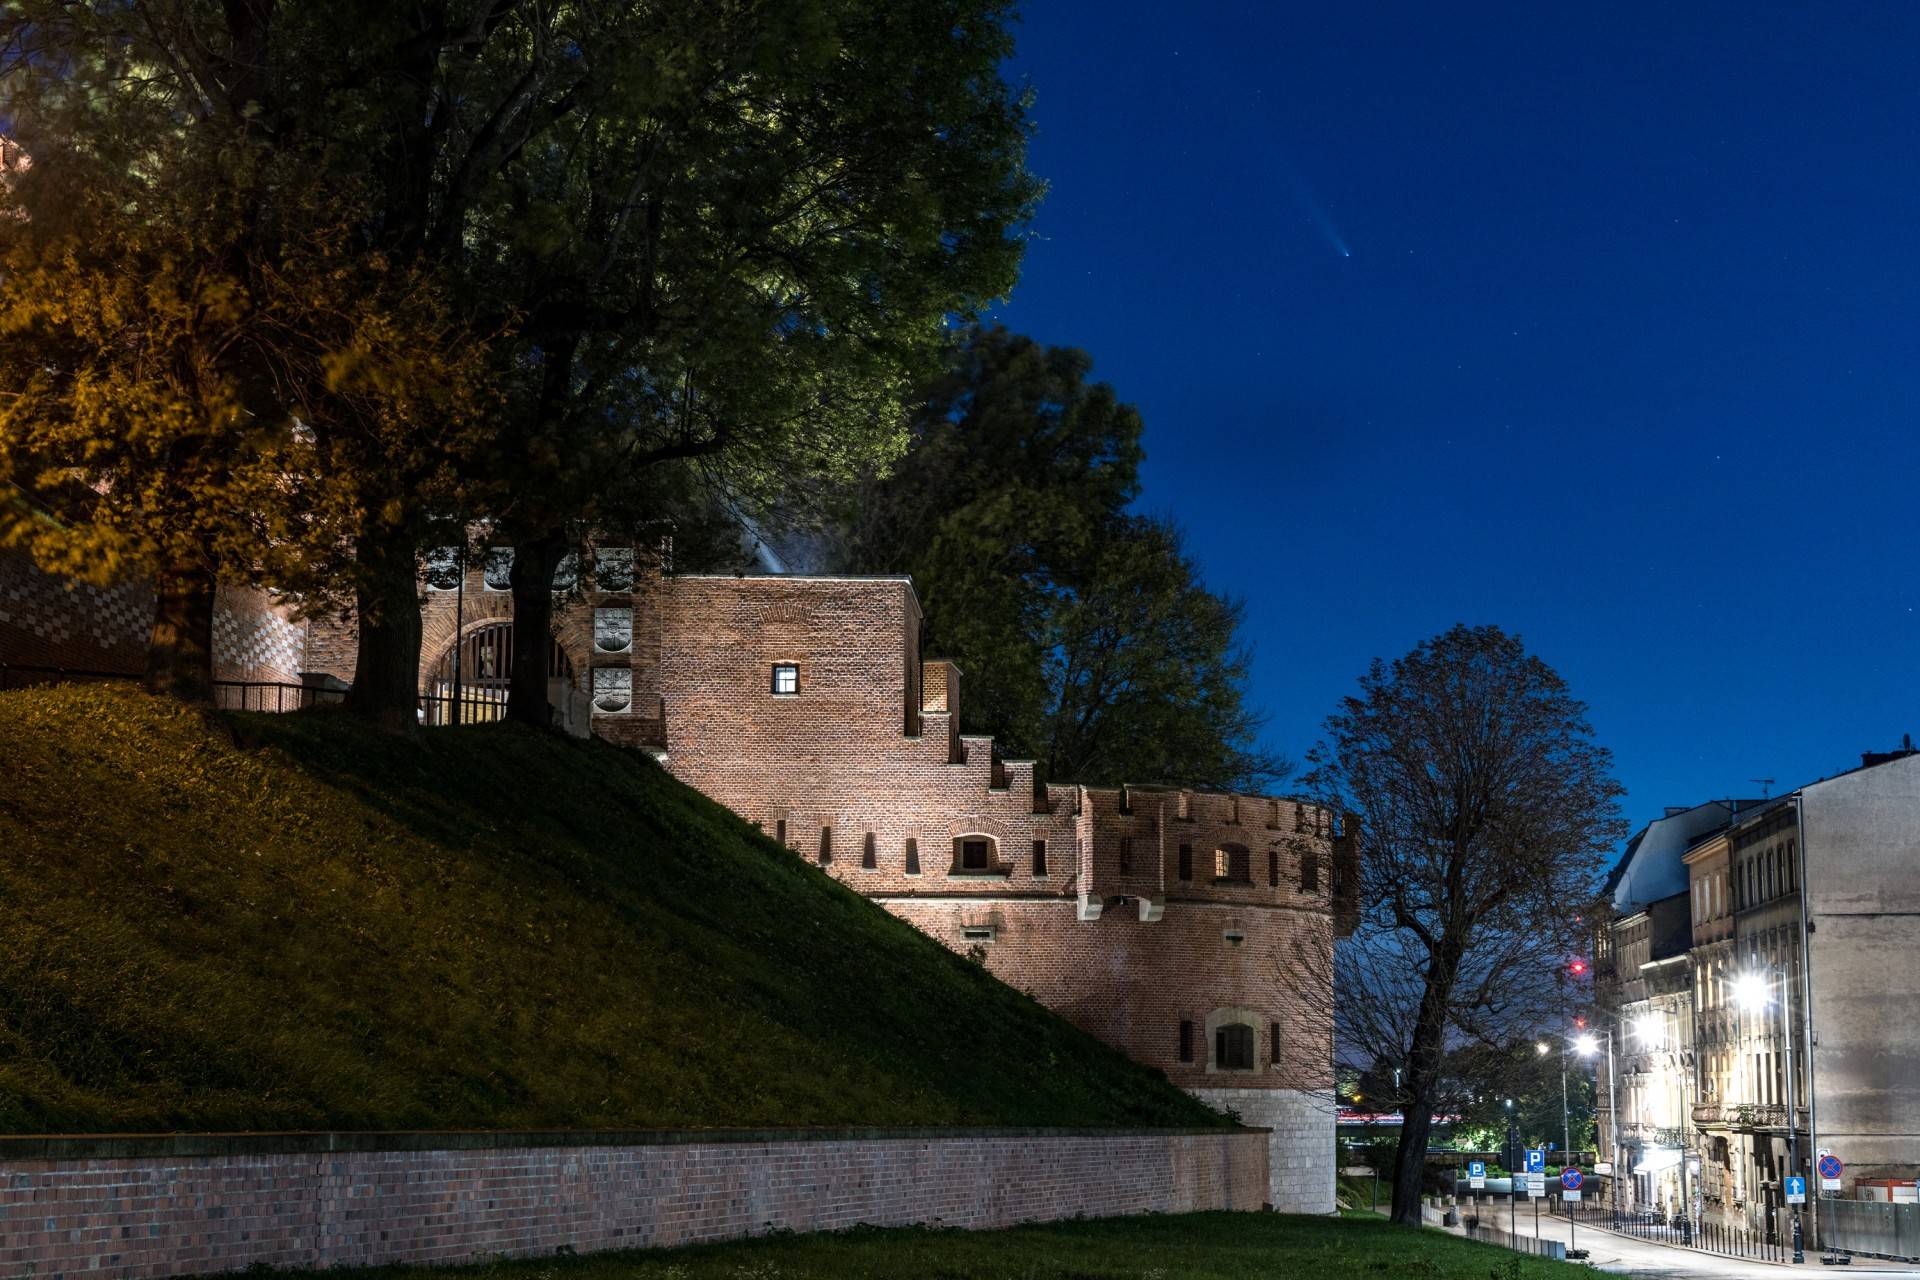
[(96, 1146)]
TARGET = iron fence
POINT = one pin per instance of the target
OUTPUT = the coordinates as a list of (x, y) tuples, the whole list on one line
[(228, 695), (1708, 1237), (474, 706)]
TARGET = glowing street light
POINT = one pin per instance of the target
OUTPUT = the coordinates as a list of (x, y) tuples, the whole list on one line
[(1541, 1048), (1753, 990), (1651, 1028), (1586, 1046)]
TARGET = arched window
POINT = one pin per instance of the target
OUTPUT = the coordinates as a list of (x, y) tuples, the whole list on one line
[(1230, 862), (1233, 1047)]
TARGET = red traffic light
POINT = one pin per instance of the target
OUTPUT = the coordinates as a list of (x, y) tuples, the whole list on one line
[(1578, 968)]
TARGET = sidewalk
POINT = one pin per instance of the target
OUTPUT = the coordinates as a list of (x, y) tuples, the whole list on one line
[(1630, 1256)]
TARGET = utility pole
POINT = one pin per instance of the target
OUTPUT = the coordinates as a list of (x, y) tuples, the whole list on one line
[(1793, 1148), (459, 623)]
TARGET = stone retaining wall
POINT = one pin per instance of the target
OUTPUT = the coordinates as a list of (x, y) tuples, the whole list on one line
[(149, 1207)]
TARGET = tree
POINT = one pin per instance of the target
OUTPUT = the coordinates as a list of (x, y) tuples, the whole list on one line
[(1087, 638), (183, 322), (1487, 810), (211, 374)]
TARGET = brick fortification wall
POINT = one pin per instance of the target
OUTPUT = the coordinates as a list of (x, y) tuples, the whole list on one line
[(159, 1207), (49, 622), (1154, 918)]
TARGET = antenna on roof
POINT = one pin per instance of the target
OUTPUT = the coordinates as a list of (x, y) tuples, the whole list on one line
[(1765, 783)]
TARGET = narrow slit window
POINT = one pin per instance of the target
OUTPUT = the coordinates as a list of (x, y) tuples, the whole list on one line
[(1126, 855), (1273, 868), (977, 933), (826, 845), (780, 832), (913, 856), (1186, 1041), (868, 859), (1186, 862), (1273, 1043), (1039, 857), (1309, 872)]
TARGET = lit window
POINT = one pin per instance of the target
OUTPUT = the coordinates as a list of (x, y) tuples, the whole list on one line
[(786, 678), (1230, 863)]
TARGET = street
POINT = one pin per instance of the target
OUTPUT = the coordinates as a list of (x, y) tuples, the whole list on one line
[(1625, 1255)]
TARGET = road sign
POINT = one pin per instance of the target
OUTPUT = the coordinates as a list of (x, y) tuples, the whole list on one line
[(1796, 1190), (1477, 1175), (1570, 1178), (1830, 1170), (1603, 1166), (1536, 1160), (1537, 1184)]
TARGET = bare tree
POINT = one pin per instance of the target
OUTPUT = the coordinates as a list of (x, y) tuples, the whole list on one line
[(1487, 810)]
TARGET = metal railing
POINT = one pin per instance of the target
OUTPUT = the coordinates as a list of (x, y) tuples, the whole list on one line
[(475, 706), (274, 696), (1485, 1232), (228, 695), (1707, 1236)]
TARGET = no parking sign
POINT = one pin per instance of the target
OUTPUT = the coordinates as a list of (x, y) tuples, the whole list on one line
[(1570, 1180), (1830, 1171)]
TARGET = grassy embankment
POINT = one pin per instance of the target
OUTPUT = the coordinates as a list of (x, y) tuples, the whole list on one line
[(1199, 1246), (325, 927)]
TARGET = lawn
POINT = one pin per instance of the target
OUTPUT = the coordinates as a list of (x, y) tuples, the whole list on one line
[(1198, 1246), (296, 922)]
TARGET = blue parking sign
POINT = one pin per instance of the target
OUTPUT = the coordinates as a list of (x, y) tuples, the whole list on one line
[(1476, 1168), (1536, 1160)]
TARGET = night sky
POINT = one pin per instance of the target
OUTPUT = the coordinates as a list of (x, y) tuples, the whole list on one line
[(1624, 357)]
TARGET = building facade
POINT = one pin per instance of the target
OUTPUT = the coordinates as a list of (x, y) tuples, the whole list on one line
[(1194, 931), (1803, 1017)]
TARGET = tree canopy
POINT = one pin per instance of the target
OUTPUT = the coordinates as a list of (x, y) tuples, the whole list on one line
[(1086, 636), (1487, 811), (700, 245)]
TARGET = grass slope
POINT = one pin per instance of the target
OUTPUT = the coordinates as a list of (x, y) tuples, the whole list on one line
[(328, 927), (1195, 1246)]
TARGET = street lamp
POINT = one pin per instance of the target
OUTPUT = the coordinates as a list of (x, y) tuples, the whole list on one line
[(1754, 991), (1588, 1046)]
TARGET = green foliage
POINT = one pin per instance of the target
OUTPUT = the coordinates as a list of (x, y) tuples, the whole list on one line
[(331, 927), (1188, 1246), (1086, 638)]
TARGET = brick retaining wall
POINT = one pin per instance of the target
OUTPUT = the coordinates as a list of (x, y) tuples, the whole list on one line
[(147, 1207)]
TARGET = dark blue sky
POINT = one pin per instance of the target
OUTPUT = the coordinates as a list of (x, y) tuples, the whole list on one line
[(1625, 358)]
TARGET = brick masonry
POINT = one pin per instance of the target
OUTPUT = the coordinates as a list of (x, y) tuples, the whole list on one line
[(170, 1211), (1154, 917)]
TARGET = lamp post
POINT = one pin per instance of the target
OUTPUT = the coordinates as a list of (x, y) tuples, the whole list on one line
[(1755, 991), (1513, 1182), (1588, 1046), (1566, 1127)]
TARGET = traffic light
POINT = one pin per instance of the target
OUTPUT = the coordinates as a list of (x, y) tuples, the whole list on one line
[(1580, 1023), (1577, 967)]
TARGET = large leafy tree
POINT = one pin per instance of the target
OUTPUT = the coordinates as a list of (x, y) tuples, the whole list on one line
[(187, 320), (713, 241), (1486, 811), (1087, 638)]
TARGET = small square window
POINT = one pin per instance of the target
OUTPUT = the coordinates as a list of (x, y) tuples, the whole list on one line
[(786, 678), (975, 855)]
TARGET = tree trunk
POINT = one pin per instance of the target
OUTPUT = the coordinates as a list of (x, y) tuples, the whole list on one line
[(535, 557), (1410, 1160), (180, 645), (386, 671)]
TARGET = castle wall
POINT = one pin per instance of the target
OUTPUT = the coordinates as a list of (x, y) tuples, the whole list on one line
[(52, 622)]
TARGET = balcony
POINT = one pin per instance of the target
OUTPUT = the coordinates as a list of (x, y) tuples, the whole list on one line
[(1757, 1116), (1708, 1114)]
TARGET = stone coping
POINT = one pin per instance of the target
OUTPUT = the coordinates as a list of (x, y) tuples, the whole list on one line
[(102, 1146)]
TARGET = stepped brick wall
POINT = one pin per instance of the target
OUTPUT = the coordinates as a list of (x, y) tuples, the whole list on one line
[(124, 1208)]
